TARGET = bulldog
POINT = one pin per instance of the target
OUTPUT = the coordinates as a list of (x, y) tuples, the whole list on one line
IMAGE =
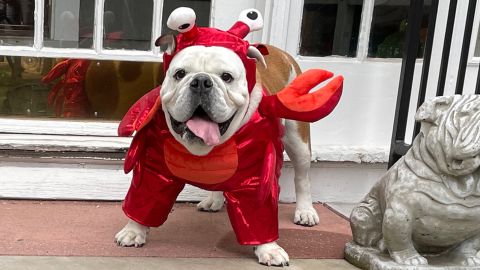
[(428, 203), (213, 124)]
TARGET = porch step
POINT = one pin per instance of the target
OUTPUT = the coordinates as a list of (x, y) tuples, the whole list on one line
[(86, 229), (108, 263)]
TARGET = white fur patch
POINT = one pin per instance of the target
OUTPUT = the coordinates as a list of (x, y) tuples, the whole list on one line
[(272, 254), (227, 99), (132, 235)]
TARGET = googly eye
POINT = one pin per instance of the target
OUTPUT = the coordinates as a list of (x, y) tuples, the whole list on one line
[(182, 19), (252, 18)]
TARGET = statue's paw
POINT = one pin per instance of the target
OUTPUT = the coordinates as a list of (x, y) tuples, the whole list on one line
[(471, 261), (271, 254), (306, 216), (408, 257), (132, 235), (213, 203), (415, 260)]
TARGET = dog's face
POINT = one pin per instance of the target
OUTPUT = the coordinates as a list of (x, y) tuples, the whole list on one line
[(205, 97), (451, 126)]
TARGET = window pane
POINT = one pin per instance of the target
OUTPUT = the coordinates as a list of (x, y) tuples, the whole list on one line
[(477, 45), (73, 88), (330, 27), (201, 7), (16, 22), (389, 25), (69, 23), (128, 24)]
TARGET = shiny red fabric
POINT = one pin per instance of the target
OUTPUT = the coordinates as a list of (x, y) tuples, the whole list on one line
[(68, 96), (295, 102), (251, 193), (231, 39)]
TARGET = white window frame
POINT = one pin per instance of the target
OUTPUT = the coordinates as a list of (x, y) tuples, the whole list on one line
[(56, 132), (97, 52), (292, 44)]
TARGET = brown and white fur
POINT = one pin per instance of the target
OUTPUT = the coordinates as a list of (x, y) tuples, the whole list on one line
[(280, 70)]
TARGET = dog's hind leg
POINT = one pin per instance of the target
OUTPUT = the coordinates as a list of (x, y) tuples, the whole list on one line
[(213, 203), (297, 146), (366, 222)]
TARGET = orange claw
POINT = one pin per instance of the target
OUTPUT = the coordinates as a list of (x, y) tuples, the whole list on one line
[(296, 96)]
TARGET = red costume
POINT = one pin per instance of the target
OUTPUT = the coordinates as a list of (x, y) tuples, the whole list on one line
[(246, 167), (68, 96)]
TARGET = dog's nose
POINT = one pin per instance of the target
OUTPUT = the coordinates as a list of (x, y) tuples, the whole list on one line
[(201, 83)]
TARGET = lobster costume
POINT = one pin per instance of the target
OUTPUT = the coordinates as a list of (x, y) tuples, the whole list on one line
[(68, 96), (246, 167)]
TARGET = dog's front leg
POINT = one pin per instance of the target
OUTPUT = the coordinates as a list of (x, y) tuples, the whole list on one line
[(133, 234), (271, 254), (213, 203)]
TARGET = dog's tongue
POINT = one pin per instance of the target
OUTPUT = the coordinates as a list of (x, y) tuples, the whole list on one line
[(207, 130)]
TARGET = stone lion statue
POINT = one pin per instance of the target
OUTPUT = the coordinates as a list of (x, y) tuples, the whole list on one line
[(428, 203)]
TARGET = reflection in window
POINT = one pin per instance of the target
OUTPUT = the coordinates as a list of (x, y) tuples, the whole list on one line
[(69, 23), (73, 88), (16, 22), (477, 45), (330, 27), (201, 8), (389, 25), (128, 24)]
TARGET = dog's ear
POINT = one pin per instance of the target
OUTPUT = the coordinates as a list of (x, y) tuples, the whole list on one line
[(431, 109), (257, 55), (167, 43)]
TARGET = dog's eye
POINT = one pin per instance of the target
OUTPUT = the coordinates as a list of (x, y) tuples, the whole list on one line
[(179, 74), (226, 77)]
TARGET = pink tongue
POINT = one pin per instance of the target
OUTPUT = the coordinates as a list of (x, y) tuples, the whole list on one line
[(207, 130)]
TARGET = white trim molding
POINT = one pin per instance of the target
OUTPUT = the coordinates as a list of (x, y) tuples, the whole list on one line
[(331, 181)]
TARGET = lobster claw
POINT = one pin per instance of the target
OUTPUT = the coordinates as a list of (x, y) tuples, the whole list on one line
[(297, 103)]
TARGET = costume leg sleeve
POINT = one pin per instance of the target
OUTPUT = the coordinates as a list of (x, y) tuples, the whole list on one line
[(253, 220), (151, 197)]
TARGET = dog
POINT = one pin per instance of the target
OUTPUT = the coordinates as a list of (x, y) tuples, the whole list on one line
[(429, 201), (203, 127)]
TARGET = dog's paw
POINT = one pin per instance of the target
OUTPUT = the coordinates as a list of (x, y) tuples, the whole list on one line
[(132, 235), (213, 203), (306, 216), (271, 254)]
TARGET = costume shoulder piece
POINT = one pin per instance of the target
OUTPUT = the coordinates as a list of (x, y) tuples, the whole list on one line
[(140, 113)]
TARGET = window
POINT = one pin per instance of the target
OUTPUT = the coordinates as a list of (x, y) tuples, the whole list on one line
[(355, 28), (69, 23), (477, 45), (16, 22), (81, 87), (330, 27), (73, 88), (389, 25), (127, 24)]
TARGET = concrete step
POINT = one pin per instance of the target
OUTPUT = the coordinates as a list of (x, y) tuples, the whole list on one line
[(109, 263)]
